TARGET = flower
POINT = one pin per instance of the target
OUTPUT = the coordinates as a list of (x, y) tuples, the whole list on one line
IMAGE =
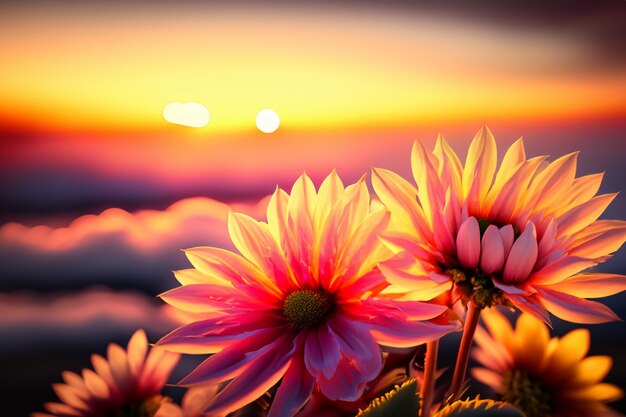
[(195, 401), (543, 376), (520, 235), (126, 384), (300, 303)]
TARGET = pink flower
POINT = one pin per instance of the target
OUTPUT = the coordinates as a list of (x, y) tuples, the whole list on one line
[(126, 383), (543, 376), (518, 235), (301, 303)]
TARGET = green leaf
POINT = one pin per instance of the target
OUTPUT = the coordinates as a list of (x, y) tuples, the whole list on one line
[(402, 401), (479, 408)]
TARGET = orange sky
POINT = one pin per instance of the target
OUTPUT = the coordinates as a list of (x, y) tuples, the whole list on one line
[(83, 89), (114, 68)]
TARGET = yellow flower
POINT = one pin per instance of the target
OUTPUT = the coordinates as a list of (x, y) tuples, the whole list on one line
[(543, 376)]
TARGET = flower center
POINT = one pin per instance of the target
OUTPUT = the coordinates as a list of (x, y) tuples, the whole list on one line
[(525, 393), (306, 308), (477, 287), (141, 408)]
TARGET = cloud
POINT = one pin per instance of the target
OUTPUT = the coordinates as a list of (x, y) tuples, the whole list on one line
[(115, 247), (91, 317)]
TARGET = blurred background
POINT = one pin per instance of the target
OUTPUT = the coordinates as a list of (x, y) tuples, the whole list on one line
[(98, 193)]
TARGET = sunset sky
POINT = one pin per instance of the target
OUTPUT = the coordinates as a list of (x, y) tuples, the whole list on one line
[(354, 84), (97, 189)]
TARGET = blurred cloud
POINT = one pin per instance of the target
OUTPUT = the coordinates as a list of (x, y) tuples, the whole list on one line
[(94, 316), (119, 248)]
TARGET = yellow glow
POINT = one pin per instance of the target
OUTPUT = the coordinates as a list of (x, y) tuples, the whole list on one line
[(267, 121), (186, 114), (319, 68)]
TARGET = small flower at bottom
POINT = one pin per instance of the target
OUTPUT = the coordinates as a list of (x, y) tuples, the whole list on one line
[(302, 302), (543, 376), (195, 401), (127, 383)]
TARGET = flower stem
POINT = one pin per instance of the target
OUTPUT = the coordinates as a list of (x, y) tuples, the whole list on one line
[(428, 385), (471, 321)]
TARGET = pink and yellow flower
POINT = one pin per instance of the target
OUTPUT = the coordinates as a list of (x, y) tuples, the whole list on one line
[(543, 376), (517, 235), (300, 303), (126, 383)]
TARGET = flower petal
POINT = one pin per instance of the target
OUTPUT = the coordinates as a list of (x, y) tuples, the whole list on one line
[(559, 270), (94, 383), (574, 309), (321, 352), (591, 370), (546, 243), (363, 251), (429, 190), (509, 289), (231, 362), (393, 333), (550, 186), (562, 360), (509, 200), (260, 375), (490, 378), (299, 247), (256, 243), (329, 192), (480, 164), (507, 234), (468, 243), (591, 285), (450, 169), (400, 198), (599, 244), (346, 216), (514, 157), (221, 265), (195, 276), (118, 361), (137, 350), (492, 251), (295, 389), (361, 361), (583, 215), (213, 334), (531, 305), (522, 257), (583, 189), (157, 369), (207, 298)]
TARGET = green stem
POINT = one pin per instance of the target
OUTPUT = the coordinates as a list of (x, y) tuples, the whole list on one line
[(428, 385), (471, 321)]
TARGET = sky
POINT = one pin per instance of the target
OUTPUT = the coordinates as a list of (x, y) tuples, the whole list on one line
[(98, 192)]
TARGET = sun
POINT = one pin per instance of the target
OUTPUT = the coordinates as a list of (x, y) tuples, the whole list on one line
[(267, 121)]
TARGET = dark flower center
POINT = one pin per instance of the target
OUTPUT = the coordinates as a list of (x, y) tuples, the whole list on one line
[(141, 408), (526, 394), (477, 287), (306, 308)]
